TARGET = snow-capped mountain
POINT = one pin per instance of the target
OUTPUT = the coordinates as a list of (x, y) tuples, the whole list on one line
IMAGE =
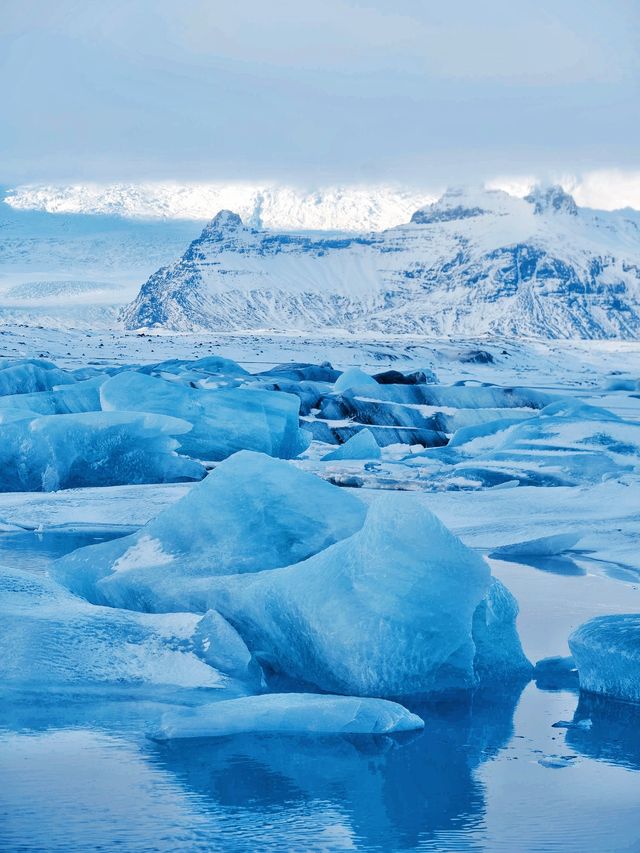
[(474, 262), (274, 206)]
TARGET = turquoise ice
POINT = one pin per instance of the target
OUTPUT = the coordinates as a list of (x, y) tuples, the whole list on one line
[(251, 513), (92, 449), (606, 651), (223, 421)]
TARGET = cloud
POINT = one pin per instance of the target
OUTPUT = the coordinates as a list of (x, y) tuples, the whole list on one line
[(607, 189), (602, 189), (343, 90)]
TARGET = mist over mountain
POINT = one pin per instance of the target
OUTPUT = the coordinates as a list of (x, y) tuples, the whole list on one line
[(277, 206)]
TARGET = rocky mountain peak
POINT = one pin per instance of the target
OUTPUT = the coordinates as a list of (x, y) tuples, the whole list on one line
[(459, 203), (222, 222), (552, 199)]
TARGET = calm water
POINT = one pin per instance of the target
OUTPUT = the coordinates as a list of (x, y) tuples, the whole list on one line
[(32, 552), (77, 774)]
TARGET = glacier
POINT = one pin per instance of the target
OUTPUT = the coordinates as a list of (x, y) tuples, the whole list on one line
[(74, 271), (276, 206), (293, 713), (475, 262)]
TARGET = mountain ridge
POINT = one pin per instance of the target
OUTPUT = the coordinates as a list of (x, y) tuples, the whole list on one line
[(474, 262)]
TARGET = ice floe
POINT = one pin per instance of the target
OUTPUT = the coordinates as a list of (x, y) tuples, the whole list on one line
[(293, 713)]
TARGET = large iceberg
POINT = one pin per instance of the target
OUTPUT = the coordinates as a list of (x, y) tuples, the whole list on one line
[(607, 654), (224, 421), (92, 449), (295, 713), (251, 513), (388, 612)]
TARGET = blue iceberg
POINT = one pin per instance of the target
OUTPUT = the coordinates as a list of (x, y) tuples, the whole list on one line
[(251, 513), (44, 454), (217, 643), (83, 396), (354, 378), (543, 546), (360, 446), (51, 638), (27, 376), (224, 421), (499, 657), (606, 651), (387, 612)]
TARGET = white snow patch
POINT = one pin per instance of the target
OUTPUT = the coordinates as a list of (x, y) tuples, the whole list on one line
[(146, 551)]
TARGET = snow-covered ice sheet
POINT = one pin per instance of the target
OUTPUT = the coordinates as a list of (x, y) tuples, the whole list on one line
[(115, 506), (607, 513)]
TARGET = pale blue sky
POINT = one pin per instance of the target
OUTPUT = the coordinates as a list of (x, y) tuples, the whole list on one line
[(418, 92)]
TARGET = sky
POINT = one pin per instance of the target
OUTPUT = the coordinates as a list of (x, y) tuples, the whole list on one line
[(313, 93)]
